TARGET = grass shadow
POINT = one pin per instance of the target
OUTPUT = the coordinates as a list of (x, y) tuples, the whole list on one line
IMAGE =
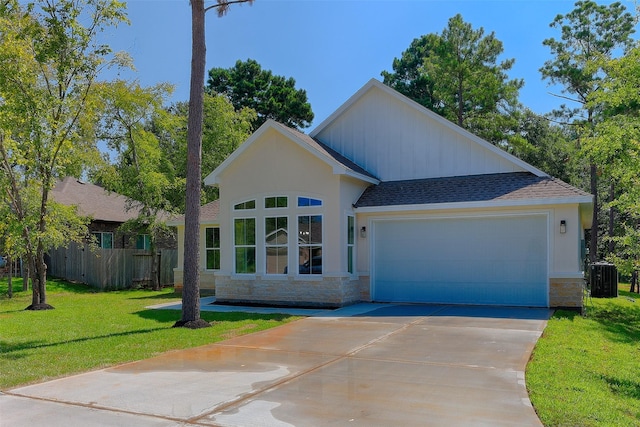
[(8, 349), (620, 316), (626, 388), (168, 295), (171, 316)]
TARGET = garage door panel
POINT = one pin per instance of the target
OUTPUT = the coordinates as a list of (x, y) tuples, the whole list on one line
[(489, 260)]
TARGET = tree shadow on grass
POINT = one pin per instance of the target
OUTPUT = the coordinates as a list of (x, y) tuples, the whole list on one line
[(619, 316), (12, 350), (171, 316), (623, 387), (167, 295)]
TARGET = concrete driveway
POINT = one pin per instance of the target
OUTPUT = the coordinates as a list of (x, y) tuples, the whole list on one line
[(364, 365)]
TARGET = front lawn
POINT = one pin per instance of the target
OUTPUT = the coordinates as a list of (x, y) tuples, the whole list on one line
[(90, 330), (585, 371)]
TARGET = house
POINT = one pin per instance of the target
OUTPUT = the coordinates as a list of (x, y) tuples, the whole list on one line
[(122, 260), (107, 210), (387, 201)]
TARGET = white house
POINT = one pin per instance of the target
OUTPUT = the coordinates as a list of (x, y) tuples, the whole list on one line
[(387, 201)]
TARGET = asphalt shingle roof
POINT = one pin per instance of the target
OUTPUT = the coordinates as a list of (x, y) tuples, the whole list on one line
[(93, 200), (471, 188)]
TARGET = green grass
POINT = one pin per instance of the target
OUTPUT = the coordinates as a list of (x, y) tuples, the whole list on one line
[(89, 330), (585, 371)]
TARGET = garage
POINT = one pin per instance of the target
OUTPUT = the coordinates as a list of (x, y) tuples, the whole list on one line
[(497, 260)]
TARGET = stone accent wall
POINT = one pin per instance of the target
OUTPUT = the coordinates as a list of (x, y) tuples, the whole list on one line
[(207, 282), (566, 292), (315, 291), (364, 287)]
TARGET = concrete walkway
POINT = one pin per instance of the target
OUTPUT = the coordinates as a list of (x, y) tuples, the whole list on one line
[(364, 365)]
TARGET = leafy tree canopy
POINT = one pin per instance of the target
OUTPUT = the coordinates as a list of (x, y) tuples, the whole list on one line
[(223, 130), (49, 64), (457, 75), (270, 96)]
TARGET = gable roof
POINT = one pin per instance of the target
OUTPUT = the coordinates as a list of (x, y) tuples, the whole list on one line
[(339, 163), (208, 215), (93, 200), (391, 122), (500, 189)]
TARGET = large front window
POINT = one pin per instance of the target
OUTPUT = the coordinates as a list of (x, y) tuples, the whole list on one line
[(310, 244), (276, 241), (245, 244), (212, 248)]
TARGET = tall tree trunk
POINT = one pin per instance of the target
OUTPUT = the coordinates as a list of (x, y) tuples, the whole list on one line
[(612, 217), (24, 270), (9, 262), (155, 281), (191, 271), (593, 243)]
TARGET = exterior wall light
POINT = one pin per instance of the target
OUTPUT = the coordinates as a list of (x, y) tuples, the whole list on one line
[(563, 226), (363, 232)]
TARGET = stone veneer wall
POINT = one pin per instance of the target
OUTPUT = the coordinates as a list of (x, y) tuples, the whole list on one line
[(566, 292), (207, 282), (321, 291)]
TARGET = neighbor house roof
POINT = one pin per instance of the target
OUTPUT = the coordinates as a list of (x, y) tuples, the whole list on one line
[(501, 187), (338, 162), (93, 200), (208, 214)]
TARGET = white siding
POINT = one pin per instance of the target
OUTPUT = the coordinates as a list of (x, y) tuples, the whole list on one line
[(395, 141)]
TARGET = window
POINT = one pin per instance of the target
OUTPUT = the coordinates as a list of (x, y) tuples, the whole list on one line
[(276, 202), (310, 244), (143, 241), (212, 248), (249, 204), (245, 244), (104, 240), (276, 241), (306, 201), (351, 230)]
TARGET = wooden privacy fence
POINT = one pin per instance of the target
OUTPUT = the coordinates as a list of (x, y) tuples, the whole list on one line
[(108, 269)]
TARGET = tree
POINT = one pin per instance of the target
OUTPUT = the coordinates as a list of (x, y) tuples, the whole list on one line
[(547, 146), (49, 63), (457, 75), (615, 145), (272, 97), (139, 172), (590, 34), (191, 287), (224, 129)]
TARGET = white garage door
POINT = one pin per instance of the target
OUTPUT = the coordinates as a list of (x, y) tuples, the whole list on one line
[(487, 260)]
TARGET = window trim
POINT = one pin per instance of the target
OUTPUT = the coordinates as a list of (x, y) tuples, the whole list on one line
[(245, 206), (267, 246), (146, 239), (313, 202), (254, 246), (100, 242), (351, 244), (212, 248), (309, 245), (286, 202)]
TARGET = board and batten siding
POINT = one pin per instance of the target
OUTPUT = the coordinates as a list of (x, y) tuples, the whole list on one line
[(380, 132)]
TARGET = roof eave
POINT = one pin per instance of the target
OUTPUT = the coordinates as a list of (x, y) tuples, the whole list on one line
[(578, 200)]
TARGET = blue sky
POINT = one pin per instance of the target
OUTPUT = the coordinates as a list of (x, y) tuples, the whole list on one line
[(331, 47)]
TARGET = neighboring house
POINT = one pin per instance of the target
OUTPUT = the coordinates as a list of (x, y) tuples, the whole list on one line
[(387, 201), (107, 211), (122, 260)]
